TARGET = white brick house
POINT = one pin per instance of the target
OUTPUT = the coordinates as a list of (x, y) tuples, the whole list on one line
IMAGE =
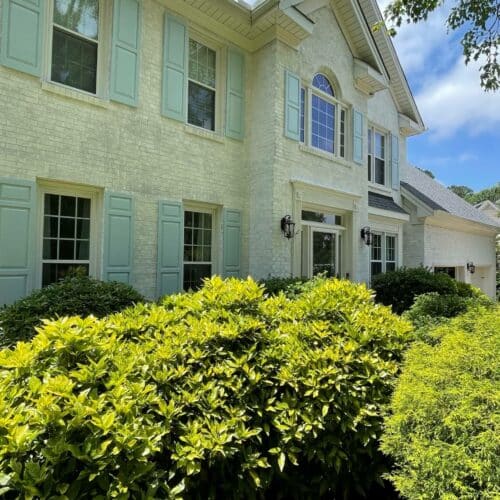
[(159, 141)]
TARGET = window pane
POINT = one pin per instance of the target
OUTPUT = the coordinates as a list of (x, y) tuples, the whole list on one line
[(201, 106), (67, 228), (66, 249), (323, 124), (55, 272), (82, 250), (390, 266), (379, 145), (342, 133), (201, 64), (322, 83), (194, 274), (302, 108), (74, 61), (78, 15), (379, 171), (390, 248), (50, 227), (51, 204), (49, 249), (376, 268), (83, 229), (83, 207)]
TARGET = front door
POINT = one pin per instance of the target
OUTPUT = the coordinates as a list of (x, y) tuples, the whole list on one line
[(320, 252)]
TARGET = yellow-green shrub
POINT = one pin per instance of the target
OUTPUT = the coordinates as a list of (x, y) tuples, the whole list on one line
[(222, 393), (444, 430)]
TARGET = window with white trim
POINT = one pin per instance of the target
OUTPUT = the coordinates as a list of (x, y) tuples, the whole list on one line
[(66, 241), (323, 117), (383, 253), (377, 155), (198, 247), (76, 43), (201, 85)]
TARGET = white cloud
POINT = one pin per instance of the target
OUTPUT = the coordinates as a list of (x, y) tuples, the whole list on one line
[(455, 101)]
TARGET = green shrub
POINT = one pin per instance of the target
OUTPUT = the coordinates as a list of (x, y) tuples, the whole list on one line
[(444, 430), (74, 295), (400, 287), (222, 393), (290, 286)]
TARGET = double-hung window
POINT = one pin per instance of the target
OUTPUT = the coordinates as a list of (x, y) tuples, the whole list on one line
[(201, 85), (75, 43), (377, 154), (383, 253), (322, 117), (198, 247)]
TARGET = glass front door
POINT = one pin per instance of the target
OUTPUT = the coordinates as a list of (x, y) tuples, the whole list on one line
[(324, 253)]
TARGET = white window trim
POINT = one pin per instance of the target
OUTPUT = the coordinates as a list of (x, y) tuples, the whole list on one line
[(96, 227), (216, 234), (339, 105), (220, 53), (376, 129), (384, 261), (103, 54)]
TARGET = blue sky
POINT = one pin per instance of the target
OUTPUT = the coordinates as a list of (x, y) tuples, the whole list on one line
[(462, 143)]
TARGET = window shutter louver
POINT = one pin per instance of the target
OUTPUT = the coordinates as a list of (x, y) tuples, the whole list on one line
[(22, 35), (395, 161), (170, 242), (174, 69), (235, 110), (357, 137), (292, 106), (125, 51), (17, 230), (118, 237), (232, 243)]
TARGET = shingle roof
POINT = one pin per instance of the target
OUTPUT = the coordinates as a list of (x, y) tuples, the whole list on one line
[(376, 200), (438, 197)]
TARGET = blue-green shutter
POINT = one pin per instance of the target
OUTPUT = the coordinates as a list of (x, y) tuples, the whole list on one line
[(292, 106), (17, 230), (22, 35), (175, 40), (357, 137), (232, 242), (395, 161), (170, 241), (118, 237), (125, 51), (235, 108)]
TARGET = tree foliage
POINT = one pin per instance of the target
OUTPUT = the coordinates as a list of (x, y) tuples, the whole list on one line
[(492, 193), (478, 21), (444, 427), (223, 393)]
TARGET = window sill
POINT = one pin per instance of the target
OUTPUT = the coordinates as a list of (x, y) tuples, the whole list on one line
[(325, 155), (205, 134), (74, 94), (378, 188)]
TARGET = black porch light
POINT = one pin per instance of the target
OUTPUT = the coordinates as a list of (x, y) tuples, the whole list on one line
[(471, 267), (287, 227), (366, 235)]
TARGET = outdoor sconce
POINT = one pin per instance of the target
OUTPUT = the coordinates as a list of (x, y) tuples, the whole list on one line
[(287, 227), (366, 235), (471, 267)]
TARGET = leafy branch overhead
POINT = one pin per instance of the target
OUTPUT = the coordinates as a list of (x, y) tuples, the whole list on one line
[(479, 21)]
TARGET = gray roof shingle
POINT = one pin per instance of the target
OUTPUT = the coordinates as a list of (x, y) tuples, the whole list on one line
[(376, 200), (439, 197)]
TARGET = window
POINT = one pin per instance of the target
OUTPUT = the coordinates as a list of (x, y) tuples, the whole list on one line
[(450, 271), (66, 235), (75, 43), (323, 126), (376, 156), (383, 253), (201, 85), (198, 245)]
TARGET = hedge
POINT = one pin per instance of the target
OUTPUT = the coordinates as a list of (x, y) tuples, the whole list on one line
[(222, 393), (444, 427)]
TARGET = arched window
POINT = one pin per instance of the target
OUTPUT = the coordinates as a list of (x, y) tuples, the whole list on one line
[(326, 117)]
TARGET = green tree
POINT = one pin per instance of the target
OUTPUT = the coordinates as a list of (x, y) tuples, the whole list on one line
[(477, 21), (462, 191)]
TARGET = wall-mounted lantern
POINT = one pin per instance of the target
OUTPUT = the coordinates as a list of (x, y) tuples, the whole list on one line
[(471, 267), (287, 227), (366, 235)]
